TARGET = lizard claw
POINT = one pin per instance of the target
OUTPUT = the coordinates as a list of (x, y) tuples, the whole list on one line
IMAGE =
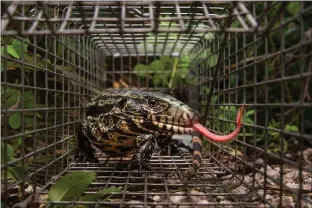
[(136, 164), (184, 177), (166, 150)]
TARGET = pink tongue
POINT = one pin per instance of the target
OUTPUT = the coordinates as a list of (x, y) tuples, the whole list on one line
[(218, 138)]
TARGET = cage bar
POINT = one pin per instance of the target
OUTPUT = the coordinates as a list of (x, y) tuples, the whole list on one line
[(56, 56)]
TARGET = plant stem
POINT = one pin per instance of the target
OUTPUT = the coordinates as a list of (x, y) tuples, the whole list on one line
[(174, 70)]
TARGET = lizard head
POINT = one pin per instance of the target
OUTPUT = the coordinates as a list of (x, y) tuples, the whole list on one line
[(138, 112)]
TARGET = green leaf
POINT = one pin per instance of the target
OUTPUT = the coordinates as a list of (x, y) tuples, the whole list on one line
[(100, 194), (140, 68), (157, 65), (205, 90), (160, 79), (233, 110), (184, 62), (9, 175), (59, 50), (29, 121), (257, 140), (18, 172), (212, 61), (70, 186), (19, 46), (28, 99), (40, 62), (293, 7), (232, 127), (209, 36), (166, 59), (291, 128), (10, 50), (235, 23), (247, 120), (38, 115), (15, 120), (274, 134), (17, 143), (203, 102), (250, 112), (181, 73), (183, 66), (12, 97), (9, 152)]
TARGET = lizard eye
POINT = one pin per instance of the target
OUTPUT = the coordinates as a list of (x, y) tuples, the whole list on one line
[(152, 103)]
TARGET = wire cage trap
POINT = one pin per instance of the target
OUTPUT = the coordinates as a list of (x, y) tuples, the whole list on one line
[(56, 56)]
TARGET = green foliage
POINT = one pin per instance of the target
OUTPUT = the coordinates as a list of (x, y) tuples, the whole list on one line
[(12, 96), (72, 185), (274, 139), (16, 173), (8, 154), (17, 143), (279, 38), (20, 46), (225, 113), (13, 173), (166, 71), (16, 99), (141, 69), (293, 7), (13, 99), (17, 48), (11, 51), (247, 117), (100, 194), (292, 128), (28, 100), (32, 73), (211, 58), (15, 120), (171, 71)]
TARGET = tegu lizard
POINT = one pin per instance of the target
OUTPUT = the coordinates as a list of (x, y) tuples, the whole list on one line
[(123, 122)]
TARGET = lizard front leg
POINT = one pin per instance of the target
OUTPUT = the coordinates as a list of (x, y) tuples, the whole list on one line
[(84, 152), (142, 153), (171, 146)]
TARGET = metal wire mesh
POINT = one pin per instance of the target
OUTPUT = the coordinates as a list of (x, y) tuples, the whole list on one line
[(239, 53), (164, 183)]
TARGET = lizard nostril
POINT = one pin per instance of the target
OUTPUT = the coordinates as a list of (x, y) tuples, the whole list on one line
[(195, 119), (190, 118), (188, 115)]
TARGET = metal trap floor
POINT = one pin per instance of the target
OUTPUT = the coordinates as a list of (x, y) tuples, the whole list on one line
[(161, 186)]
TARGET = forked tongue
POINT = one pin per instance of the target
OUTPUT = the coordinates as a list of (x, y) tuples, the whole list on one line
[(221, 138)]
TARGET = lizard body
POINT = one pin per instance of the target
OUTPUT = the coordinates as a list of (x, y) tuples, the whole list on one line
[(123, 122)]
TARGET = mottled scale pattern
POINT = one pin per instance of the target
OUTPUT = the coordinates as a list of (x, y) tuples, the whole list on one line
[(122, 122)]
